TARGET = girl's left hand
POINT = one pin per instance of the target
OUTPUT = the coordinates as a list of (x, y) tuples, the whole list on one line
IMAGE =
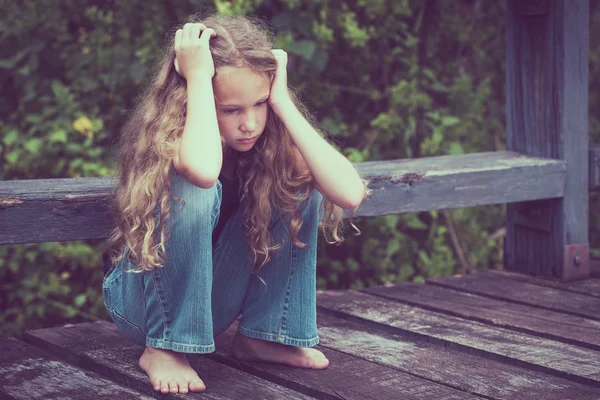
[(279, 88)]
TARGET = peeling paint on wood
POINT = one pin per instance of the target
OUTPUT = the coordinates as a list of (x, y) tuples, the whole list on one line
[(9, 202)]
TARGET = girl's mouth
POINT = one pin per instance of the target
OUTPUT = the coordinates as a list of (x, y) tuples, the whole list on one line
[(247, 141)]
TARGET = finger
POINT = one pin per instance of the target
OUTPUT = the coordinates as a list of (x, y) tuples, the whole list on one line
[(186, 32), (206, 35), (178, 37), (213, 33), (194, 32)]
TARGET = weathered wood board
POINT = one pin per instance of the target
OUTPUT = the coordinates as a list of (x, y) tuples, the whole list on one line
[(99, 347), (446, 365), (588, 286), (54, 210), (554, 325), (524, 293), (347, 377), (539, 354), (547, 85), (29, 373)]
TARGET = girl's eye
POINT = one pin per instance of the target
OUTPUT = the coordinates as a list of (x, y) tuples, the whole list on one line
[(261, 103), (230, 111)]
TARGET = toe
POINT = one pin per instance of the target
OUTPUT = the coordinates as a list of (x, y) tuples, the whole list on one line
[(173, 387), (183, 385), (164, 387), (156, 384), (197, 385)]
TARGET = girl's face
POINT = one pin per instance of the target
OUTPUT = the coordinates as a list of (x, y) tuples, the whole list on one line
[(242, 105)]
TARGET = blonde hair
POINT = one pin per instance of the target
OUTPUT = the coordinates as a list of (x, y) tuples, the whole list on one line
[(150, 141)]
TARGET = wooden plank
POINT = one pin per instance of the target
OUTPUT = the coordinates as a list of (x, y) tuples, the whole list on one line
[(547, 116), (30, 373), (78, 208), (548, 356), (55, 210), (346, 377), (549, 324), (524, 293), (98, 347), (444, 364), (588, 286)]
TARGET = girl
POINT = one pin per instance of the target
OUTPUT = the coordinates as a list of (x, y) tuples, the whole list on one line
[(219, 148)]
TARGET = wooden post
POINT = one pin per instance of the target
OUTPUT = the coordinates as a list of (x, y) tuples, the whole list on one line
[(547, 116)]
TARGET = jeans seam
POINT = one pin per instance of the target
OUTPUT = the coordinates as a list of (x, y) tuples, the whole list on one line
[(158, 289), (283, 328), (278, 337), (180, 347)]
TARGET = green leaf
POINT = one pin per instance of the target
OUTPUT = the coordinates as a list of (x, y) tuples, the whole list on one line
[(12, 157), (450, 120), (80, 300), (424, 258), (415, 223), (33, 145), (455, 148), (59, 135), (393, 246), (10, 137)]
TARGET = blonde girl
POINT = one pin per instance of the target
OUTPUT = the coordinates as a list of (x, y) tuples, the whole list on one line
[(223, 183)]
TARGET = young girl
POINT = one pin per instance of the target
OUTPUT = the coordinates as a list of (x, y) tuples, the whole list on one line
[(223, 183)]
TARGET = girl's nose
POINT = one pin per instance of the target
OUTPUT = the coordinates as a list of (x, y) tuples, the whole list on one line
[(249, 125)]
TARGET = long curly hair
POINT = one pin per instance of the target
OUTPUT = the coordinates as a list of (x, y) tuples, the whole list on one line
[(150, 141)]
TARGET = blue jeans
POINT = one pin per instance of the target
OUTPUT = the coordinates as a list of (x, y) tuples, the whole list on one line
[(202, 289)]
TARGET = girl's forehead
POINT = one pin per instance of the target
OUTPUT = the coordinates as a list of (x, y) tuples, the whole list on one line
[(238, 86)]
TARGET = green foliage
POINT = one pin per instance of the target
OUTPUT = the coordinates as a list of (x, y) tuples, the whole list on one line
[(388, 79)]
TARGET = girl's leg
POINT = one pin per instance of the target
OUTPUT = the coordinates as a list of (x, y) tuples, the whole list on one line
[(171, 305), (169, 309), (283, 311)]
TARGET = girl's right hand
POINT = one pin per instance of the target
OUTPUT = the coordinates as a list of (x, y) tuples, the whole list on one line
[(193, 60)]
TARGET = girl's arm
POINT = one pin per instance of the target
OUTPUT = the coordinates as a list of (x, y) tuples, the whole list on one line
[(200, 154), (199, 158), (336, 177)]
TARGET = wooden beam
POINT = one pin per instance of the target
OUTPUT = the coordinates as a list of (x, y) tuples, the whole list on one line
[(50, 210), (547, 116)]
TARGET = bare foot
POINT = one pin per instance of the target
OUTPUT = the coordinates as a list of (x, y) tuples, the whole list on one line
[(169, 371), (245, 348)]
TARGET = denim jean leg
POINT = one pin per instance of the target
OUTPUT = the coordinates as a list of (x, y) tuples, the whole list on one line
[(178, 296), (124, 300), (285, 310), (176, 312), (231, 273)]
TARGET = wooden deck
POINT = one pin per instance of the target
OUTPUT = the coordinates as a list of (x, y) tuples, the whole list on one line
[(492, 335)]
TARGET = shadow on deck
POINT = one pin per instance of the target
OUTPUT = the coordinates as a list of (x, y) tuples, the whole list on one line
[(492, 335)]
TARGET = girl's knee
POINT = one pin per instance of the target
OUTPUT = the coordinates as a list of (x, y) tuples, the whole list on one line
[(191, 203), (192, 194)]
